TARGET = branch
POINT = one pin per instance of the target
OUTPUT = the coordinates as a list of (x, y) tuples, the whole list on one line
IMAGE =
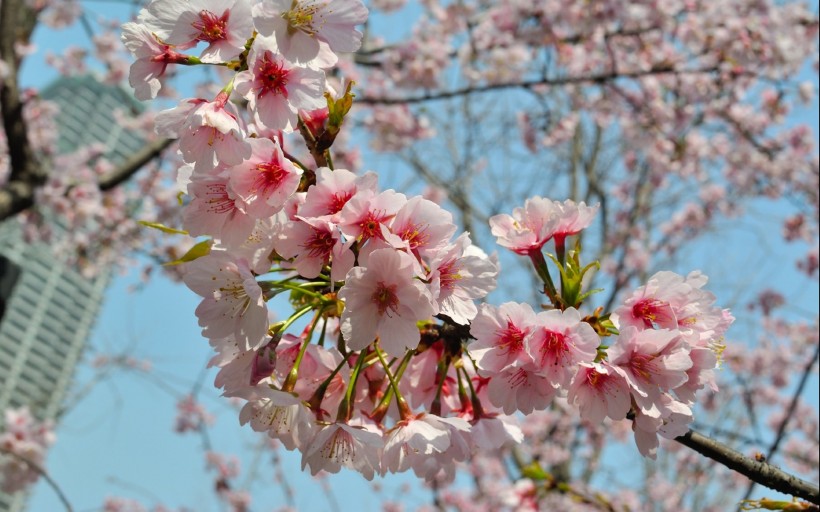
[(42, 472), (17, 196), (531, 84), (134, 163), (17, 22), (781, 430), (757, 471)]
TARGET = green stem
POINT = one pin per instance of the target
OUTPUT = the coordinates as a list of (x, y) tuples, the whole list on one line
[(329, 159), (441, 375), (343, 415), (315, 401), (478, 411), (404, 409), (290, 381), (540, 264)]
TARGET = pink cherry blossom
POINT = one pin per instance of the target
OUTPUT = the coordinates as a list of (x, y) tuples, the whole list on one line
[(411, 442), (314, 243), (520, 389), (265, 180), (210, 132), (215, 210), (366, 214), (152, 59), (225, 25), (276, 89), (460, 273), (423, 225), (600, 390), (559, 342), (651, 361), (333, 189), (340, 444), (232, 303), (282, 415), (385, 300), (671, 301), (300, 26), (500, 333), (529, 228)]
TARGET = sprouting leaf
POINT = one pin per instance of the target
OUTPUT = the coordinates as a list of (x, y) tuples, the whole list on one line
[(203, 248), (162, 227)]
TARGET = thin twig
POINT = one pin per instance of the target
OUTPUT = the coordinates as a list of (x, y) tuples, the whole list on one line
[(42, 472)]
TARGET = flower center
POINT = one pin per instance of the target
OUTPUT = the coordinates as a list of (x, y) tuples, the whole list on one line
[(511, 338), (211, 27), (338, 201), (300, 17), (273, 76), (269, 176), (319, 244), (648, 310), (555, 345), (384, 297)]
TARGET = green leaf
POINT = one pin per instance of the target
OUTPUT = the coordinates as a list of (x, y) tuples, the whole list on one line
[(162, 227), (534, 471), (199, 250)]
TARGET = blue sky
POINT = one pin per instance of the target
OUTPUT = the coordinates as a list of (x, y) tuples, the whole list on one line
[(118, 440)]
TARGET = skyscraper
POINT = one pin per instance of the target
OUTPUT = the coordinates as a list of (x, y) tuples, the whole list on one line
[(47, 308)]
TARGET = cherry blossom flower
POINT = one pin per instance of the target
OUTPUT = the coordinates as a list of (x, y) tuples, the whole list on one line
[(520, 389), (559, 341), (411, 442), (385, 300), (600, 390), (232, 303), (500, 333), (210, 132), (282, 415), (26, 437), (301, 26), (460, 273), (332, 191), (314, 243), (366, 214), (265, 180), (340, 444), (277, 89), (651, 361), (215, 210), (224, 24), (671, 301), (529, 228), (424, 226), (152, 59)]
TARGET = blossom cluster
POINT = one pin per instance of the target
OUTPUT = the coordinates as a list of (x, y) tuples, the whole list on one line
[(23, 446), (396, 368)]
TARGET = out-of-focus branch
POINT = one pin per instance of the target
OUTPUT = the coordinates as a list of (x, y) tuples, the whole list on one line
[(18, 196), (128, 168), (599, 78), (43, 473), (17, 21), (758, 471), (781, 430)]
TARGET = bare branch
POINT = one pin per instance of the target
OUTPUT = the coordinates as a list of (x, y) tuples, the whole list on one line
[(17, 22), (781, 429), (756, 470), (43, 473), (128, 168), (531, 84)]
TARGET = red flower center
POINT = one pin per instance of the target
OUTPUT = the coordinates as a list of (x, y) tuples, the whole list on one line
[(385, 298), (211, 27), (272, 76)]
